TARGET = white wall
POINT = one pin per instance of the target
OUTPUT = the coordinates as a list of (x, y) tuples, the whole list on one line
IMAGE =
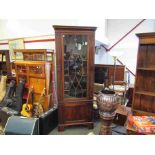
[(33, 27), (101, 25), (10, 29), (102, 57), (27, 28), (128, 46), (116, 29)]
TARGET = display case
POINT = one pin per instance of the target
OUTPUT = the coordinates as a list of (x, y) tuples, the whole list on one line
[(144, 91), (105, 72), (35, 66), (75, 74)]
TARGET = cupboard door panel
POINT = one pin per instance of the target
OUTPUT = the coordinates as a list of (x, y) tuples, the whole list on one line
[(74, 112), (37, 84)]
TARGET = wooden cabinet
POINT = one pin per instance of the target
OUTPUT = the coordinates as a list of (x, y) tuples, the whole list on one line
[(75, 74), (144, 92), (5, 64), (36, 67), (105, 72)]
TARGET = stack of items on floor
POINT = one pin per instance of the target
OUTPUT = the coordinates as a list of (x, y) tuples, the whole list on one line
[(31, 94), (11, 105), (2, 87), (141, 124)]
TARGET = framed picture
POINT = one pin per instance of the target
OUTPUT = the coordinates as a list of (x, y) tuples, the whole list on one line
[(15, 44)]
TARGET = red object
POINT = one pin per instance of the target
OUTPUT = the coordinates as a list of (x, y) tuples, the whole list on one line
[(25, 96), (42, 40), (3, 43), (26, 85), (142, 124), (32, 41)]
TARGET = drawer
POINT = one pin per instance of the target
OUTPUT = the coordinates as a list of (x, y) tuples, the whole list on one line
[(37, 70)]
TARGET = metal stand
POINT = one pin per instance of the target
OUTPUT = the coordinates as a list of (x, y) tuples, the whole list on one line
[(114, 71)]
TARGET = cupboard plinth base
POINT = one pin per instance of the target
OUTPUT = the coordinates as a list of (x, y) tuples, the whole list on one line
[(62, 127)]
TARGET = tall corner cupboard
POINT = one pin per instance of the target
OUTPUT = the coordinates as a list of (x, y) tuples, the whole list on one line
[(75, 50)]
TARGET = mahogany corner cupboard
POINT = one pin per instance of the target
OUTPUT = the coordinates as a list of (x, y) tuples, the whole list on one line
[(144, 91), (75, 48)]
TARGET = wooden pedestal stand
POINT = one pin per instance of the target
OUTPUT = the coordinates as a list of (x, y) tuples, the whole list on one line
[(106, 123), (107, 104)]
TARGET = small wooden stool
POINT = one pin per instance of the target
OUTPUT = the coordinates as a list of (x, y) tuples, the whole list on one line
[(121, 114)]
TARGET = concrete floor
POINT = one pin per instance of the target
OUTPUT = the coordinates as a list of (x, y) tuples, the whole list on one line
[(83, 130)]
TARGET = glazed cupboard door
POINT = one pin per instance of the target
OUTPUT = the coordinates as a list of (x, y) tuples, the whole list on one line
[(75, 48), (75, 66)]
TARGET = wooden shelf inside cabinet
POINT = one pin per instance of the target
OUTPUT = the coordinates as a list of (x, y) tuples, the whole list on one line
[(146, 68), (22, 73), (145, 93), (141, 112)]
